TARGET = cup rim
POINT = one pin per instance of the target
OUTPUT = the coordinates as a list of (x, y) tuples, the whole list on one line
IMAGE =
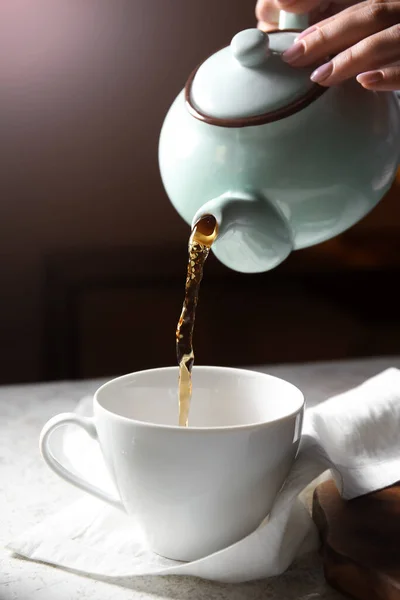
[(218, 428)]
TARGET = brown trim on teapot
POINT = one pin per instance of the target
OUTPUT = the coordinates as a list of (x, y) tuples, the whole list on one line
[(275, 115)]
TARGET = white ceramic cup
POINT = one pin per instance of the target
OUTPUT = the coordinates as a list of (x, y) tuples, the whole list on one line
[(199, 489)]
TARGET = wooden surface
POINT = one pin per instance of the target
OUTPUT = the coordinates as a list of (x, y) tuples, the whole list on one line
[(360, 541)]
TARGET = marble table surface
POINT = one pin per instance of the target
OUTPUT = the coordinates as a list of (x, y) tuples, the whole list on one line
[(29, 491)]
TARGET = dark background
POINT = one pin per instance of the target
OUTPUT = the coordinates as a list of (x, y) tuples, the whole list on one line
[(92, 255)]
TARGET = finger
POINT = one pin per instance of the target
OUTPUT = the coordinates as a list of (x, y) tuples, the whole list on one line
[(316, 15), (264, 7), (382, 48), (347, 8), (385, 80), (267, 11), (342, 31), (322, 12)]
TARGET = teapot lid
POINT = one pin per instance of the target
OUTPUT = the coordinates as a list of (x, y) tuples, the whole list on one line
[(248, 83)]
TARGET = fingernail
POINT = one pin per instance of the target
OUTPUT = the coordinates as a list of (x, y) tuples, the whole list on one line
[(322, 73), (305, 32), (293, 53), (370, 77), (286, 2)]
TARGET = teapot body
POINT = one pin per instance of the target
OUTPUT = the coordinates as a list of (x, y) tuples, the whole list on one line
[(322, 169)]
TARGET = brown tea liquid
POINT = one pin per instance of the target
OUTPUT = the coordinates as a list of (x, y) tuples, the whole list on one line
[(203, 235)]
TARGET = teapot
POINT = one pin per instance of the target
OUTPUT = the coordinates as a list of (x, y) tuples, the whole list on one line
[(280, 162)]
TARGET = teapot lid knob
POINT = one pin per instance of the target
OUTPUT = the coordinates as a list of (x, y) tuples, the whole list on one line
[(251, 47)]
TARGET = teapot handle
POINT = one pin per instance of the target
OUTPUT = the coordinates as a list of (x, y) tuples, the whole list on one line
[(292, 21)]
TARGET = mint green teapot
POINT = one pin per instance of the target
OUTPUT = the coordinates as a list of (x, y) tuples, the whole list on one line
[(279, 161)]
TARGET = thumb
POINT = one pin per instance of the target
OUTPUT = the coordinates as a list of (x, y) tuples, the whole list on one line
[(267, 14), (267, 11)]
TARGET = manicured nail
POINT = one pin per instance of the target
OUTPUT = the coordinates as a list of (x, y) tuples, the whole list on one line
[(305, 32), (370, 77), (322, 73), (293, 53)]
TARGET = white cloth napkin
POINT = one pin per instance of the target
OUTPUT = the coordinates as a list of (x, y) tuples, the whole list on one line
[(354, 434)]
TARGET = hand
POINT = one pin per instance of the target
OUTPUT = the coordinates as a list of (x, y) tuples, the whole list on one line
[(267, 11), (364, 41)]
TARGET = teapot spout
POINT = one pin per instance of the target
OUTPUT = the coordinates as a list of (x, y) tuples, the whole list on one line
[(253, 236)]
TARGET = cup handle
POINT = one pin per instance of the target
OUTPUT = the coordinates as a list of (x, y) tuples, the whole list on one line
[(88, 425)]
